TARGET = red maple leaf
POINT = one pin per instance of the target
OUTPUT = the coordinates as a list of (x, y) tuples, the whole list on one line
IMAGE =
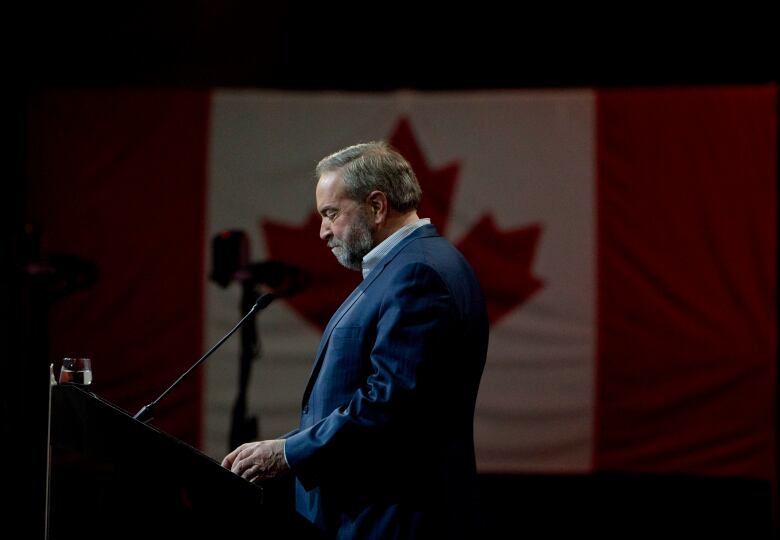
[(502, 262), (501, 259)]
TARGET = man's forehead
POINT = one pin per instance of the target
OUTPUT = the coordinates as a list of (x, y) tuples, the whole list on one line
[(330, 188)]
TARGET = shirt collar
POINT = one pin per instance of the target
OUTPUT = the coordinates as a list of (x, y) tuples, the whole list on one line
[(373, 257)]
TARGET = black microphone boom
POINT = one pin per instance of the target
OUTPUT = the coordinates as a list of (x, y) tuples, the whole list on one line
[(147, 411)]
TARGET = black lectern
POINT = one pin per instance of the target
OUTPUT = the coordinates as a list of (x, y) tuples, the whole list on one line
[(112, 476)]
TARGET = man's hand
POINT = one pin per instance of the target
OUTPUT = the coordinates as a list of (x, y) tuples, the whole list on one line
[(257, 461)]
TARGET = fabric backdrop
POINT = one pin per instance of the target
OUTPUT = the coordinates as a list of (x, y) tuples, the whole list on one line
[(625, 239)]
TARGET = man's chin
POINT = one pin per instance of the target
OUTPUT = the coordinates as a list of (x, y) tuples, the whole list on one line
[(348, 264)]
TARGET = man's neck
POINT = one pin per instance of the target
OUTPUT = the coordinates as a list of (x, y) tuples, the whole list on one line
[(395, 220)]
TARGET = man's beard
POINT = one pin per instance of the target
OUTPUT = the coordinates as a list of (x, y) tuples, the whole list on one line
[(358, 241)]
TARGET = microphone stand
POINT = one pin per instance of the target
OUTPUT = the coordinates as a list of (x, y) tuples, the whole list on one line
[(147, 411), (243, 429)]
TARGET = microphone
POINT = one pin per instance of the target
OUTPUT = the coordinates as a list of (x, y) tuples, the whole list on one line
[(283, 279), (147, 411)]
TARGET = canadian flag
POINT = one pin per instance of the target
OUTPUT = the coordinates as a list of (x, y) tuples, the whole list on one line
[(625, 239)]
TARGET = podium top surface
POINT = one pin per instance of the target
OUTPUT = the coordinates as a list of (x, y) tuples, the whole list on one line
[(86, 425)]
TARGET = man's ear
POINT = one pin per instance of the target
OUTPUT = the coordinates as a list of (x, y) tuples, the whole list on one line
[(379, 206)]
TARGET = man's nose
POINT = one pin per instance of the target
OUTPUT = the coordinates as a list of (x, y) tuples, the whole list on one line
[(325, 232)]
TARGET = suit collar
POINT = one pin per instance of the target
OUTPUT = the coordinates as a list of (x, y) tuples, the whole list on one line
[(426, 231), (423, 231)]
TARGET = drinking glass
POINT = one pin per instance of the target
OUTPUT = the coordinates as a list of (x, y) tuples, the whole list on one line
[(76, 371)]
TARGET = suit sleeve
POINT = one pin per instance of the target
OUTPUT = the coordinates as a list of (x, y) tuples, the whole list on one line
[(416, 313)]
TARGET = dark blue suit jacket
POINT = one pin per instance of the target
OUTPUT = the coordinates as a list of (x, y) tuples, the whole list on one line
[(385, 447)]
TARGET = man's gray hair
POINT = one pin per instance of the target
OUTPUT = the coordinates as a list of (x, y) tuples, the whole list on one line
[(375, 166)]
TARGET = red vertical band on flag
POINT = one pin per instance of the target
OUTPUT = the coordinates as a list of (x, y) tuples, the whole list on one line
[(118, 178), (687, 320)]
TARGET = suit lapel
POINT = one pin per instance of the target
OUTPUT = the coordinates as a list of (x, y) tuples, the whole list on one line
[(422, 232)]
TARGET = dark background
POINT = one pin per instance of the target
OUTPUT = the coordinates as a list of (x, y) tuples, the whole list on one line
[(366, 47), (387, 45)]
